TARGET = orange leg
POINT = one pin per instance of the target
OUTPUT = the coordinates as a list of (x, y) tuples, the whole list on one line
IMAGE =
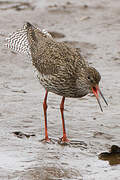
[(64, 138), (45, 116)]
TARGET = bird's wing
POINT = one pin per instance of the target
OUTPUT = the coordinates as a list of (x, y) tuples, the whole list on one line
[(18, 41), (48, 56)]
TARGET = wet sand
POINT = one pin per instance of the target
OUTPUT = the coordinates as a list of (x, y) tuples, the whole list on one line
[(94, 28)]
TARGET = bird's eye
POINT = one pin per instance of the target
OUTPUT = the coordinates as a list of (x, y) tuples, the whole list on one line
[(88, 77), (91, 80)]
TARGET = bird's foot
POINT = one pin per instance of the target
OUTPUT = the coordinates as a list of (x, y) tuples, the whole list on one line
[(47, 140), (64, 141)]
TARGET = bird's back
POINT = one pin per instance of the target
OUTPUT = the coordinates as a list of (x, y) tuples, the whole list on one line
[(49, 56)]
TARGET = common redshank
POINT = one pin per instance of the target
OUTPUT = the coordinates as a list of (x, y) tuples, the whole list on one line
[(60, 69)]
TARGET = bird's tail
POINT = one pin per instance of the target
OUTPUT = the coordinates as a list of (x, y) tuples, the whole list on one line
[(19, 41)]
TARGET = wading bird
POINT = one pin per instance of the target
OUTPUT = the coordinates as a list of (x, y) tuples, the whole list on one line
[(60, 69)]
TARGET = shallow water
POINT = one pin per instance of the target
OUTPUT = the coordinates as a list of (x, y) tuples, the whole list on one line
[(93, 27)]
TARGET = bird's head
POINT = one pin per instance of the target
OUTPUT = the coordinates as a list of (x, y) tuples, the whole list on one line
[(88, 82), (93, 78)]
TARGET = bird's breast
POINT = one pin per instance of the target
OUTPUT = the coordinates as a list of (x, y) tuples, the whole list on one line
[(59, 86)]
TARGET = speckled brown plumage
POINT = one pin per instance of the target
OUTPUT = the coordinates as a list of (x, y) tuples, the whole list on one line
[(61, 69)]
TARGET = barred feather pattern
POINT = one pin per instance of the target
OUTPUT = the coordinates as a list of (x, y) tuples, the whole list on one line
[(18, 42)]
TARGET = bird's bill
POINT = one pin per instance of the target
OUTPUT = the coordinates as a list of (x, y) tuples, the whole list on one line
[(95, 91)]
